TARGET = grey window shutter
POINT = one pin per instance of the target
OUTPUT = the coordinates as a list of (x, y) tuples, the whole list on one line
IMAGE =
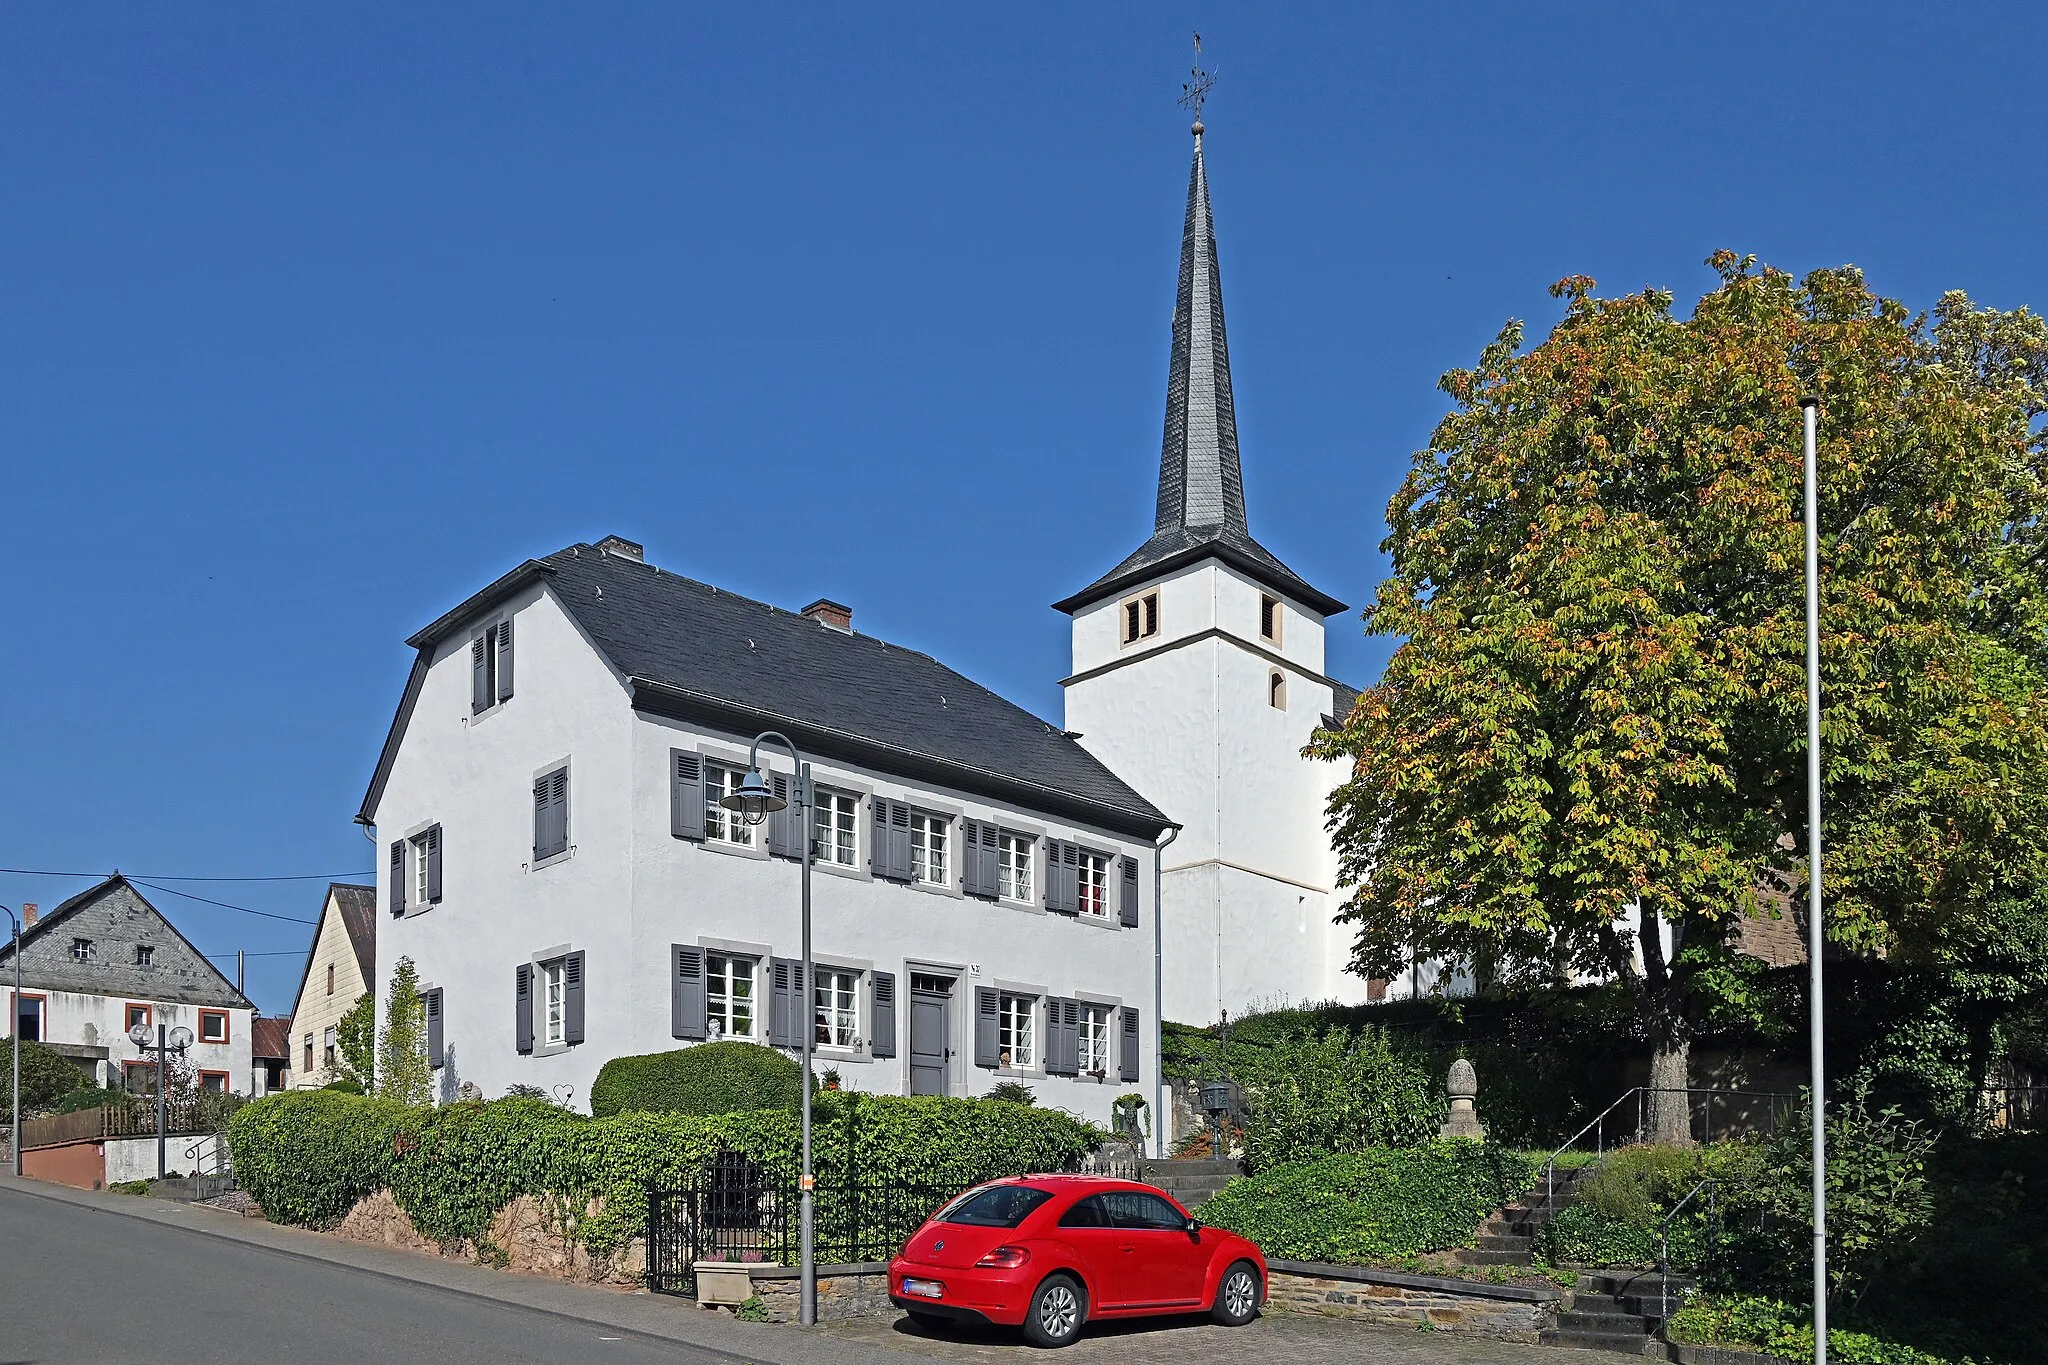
[(783, 825), (522, 1007), (1128, 1053), (433, 851), (551, 814), (1062, 1043), (878, 836), (970, 858), (1127, 902), (572, 998), (540, 818), (882, 1014), (686, 991), (1063, 877), (686, 795), (986, 1052), (432, 1000), (899, 841), (504, 658), (398, 876), (479, 674), (986, 856), (782, 1002), (559, 798)]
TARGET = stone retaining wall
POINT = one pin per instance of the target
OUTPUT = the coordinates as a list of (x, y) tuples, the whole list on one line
[(522, 1237), (1363, 1295), (844, 1291)]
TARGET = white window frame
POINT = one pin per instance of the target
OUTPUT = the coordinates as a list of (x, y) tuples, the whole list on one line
[(554, 1003), (719, 1003), (83, 950), (1092, 1039), (1091, 884), (416, 851), (930, 848), (1017, 1030), (835, 1022), (1016, 865), (722, 826), (835, 828)]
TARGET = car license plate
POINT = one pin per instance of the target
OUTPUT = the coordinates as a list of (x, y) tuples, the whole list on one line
[(924, 1289)]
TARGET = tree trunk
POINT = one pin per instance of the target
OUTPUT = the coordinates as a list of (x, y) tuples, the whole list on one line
[(1670, 1117), (1667, 1109)]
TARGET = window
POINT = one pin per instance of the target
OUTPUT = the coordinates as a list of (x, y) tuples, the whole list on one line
[(328, 1056), (1091, 884), (139, 1077), (993, 1206), (722, 825), (832, 999), (555, 996), (928, 847), (1276, 691), (1089, 1213), (551, 814), (1141, 618), (419, 870), (309, 1055), (213, 1026), (30, 1009), (82, 950), (1014, 857), (133, 1015), (1016, 1031), (833, 824), (729, 996), (1131, 1209), (1092, 1040), (214, 1081), (490, 666), (330, 978), (144, 955), (1269, 619)]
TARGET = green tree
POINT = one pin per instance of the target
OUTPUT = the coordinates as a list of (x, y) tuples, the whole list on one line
[(1593, 728), (355, 1041), (47, 1075), (403, 1070)]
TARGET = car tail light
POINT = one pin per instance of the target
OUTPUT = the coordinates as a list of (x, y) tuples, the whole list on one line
[(1003, 1258)]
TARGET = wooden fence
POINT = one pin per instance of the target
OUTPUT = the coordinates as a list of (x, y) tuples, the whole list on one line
[(183, 1116)]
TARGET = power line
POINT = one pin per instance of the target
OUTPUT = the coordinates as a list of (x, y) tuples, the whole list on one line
[(138, 876), (174, 891)]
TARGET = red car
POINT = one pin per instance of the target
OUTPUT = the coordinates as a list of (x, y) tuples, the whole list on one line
[(1050, 1252)]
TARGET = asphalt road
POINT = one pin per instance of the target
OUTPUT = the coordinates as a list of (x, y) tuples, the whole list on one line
[(82, 1286)]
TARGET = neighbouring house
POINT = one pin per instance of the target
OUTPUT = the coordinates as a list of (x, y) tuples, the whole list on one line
[(558, 866), (270, 1054), (107, 960), (339, 970)]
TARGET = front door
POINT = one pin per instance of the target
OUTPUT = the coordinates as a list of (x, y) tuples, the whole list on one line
[(931, 1033)]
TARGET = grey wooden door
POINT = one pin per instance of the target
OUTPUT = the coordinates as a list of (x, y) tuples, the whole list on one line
[(930, 1034)]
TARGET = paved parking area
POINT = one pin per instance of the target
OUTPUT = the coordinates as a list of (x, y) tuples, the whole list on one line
[(1274, 1339)]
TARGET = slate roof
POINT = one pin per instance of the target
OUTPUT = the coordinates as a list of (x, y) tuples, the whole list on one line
[(358, 907), (270, 1039), (1343, 697), (701, 653), (113, 907), (1201, 479)]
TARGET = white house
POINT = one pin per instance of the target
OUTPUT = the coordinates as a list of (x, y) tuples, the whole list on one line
[(1198, 676), (106, 960), (556, 864)]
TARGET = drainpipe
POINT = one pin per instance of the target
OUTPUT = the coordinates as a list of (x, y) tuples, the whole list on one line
[(1159, 1112)]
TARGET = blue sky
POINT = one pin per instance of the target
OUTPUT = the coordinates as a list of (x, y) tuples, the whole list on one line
[(320, 317)]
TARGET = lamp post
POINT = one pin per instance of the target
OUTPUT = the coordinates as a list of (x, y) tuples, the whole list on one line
[(1810, 405), (14, 1042), (177, 1040), (754, 801)]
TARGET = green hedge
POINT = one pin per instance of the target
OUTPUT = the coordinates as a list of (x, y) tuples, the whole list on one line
[(308, 1156), (1378, 1205), (1755, 1324), (711, 1078)]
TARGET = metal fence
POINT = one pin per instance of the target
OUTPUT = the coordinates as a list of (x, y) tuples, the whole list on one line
[(733, 1210)]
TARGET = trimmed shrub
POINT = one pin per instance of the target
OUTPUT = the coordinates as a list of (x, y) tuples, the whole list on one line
[(47, 1075), (710, 1078), (307, 1156), (1310, 1096), (1373, 1206), (1754, 1324), (1582, 1234), (1637, 1184)]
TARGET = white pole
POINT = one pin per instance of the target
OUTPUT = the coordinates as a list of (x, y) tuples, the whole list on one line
[(1811, 406)]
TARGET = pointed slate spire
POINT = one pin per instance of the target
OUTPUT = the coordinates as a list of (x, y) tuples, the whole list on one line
[(1200, 481)]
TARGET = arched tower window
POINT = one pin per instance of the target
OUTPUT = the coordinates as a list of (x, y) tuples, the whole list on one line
[(1276, 690)]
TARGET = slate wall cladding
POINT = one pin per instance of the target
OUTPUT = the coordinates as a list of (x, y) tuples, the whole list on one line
[(116, 918)]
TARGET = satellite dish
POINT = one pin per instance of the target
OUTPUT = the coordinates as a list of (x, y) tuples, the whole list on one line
[(181, 1037), (139, 1035)]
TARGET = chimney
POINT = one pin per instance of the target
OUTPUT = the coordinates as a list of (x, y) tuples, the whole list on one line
[(826, 612), (29, 911), (623, 548)]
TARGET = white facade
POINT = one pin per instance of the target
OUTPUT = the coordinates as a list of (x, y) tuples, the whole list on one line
[(1186, 715), (627, 891), (99, 1023)]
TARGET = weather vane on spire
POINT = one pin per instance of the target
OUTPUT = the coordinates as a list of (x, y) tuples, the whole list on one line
[(1195, 91)]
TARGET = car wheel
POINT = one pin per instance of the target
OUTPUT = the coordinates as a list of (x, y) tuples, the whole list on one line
[(1237, 1296), (1057, 1312), (930, 1322)]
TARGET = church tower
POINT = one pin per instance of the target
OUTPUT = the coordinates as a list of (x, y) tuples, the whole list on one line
[(1198, 677)]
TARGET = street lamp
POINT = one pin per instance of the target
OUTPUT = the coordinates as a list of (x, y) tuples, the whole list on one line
[(14, 1042), (1810, 405), (177, 1040), (754, 800)]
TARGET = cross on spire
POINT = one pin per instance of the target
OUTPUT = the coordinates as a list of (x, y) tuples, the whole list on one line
[(1194, 92)]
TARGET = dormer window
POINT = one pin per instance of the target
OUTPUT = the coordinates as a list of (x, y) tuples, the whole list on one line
[(1269, 620), (490, 666), (1141, 618)]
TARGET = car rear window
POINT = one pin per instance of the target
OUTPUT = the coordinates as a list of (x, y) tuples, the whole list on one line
[(995, 1206)]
